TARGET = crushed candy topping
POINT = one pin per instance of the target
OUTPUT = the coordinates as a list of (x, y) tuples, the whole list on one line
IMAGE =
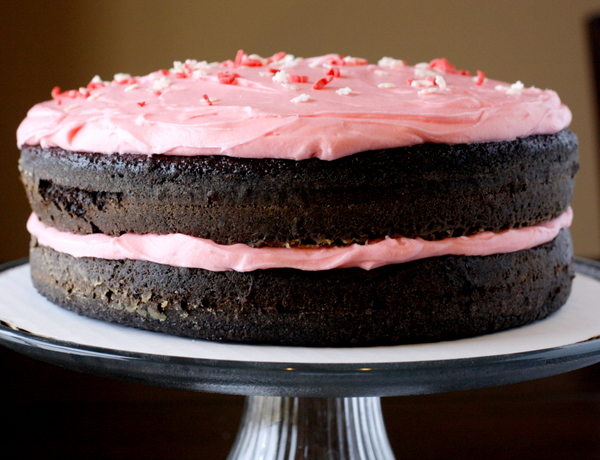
[(281, 76), (227, 78), (391, 63), (160, 84), (480, 78), (301, 98), (321, 83), (423, 82), (444, 65), (344, 91), (515, 88), (428, 77), (428, 90), (121, 77), (440, 82), (423, 71)]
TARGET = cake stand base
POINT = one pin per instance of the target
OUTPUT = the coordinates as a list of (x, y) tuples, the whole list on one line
[(300, 405), (291, 428)]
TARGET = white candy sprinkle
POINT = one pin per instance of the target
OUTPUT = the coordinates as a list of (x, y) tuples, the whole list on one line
[(391, 63), (178, 66), (301, 98), (94, 96), (97, 79), (422, 70), (290, 86), (288, 61), (386, 85), (188, 66), (515, 88), (281, 77), (259, 58), (119, 77), (440, 81), (71, 107), (344, 91), (428, 90), (161, 84), (131, 87), (380, 72), (422, 83)]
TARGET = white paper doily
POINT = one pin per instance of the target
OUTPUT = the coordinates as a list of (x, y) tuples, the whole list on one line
[(22, 307)]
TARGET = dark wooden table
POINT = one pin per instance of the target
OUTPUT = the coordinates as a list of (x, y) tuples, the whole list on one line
[(53, 413)]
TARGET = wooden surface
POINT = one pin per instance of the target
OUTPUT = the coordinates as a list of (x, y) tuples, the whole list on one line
[(54, 413)]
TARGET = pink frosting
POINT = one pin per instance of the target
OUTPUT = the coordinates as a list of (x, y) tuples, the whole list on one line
[(198, 109), (187, 251)]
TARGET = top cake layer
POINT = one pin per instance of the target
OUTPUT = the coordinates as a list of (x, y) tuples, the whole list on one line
[(292, 108)]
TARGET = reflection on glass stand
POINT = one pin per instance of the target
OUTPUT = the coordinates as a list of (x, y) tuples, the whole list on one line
[(311, 411), (311, 428)]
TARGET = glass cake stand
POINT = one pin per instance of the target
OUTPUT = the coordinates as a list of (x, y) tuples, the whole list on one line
[(300, 409)]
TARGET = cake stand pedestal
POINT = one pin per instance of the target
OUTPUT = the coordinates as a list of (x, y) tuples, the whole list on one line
[(307, 410)]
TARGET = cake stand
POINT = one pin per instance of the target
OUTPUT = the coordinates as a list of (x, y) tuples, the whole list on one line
[(303, 403)]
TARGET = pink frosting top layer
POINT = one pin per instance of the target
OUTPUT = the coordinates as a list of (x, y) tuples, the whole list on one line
[(187, 251), (283, 107)]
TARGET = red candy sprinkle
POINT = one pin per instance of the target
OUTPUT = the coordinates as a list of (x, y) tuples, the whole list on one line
[(298, 78), (480, 78), (126, 81), (207, 99), (242, 59), (71, 94), (348, 60), (141, 104), (238, 58), (277, 57), (55, 92), (227, 78), (95, 85), (334, 72), (320, 84), (444, 65)]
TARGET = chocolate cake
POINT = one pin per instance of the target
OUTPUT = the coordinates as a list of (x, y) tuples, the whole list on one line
[(318, 202)]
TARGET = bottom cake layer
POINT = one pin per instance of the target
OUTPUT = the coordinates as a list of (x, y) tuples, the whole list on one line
[(426, 300)]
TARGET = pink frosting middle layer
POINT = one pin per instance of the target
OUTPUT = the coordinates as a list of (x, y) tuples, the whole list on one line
[(186, 251), (326, 107)]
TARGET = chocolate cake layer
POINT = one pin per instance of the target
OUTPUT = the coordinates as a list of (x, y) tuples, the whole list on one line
[(429, 191), (431, 299)]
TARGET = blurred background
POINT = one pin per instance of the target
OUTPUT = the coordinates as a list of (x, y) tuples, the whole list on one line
[(47, 43)]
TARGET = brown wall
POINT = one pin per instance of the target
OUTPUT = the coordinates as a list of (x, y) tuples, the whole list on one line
[(66, 42)]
